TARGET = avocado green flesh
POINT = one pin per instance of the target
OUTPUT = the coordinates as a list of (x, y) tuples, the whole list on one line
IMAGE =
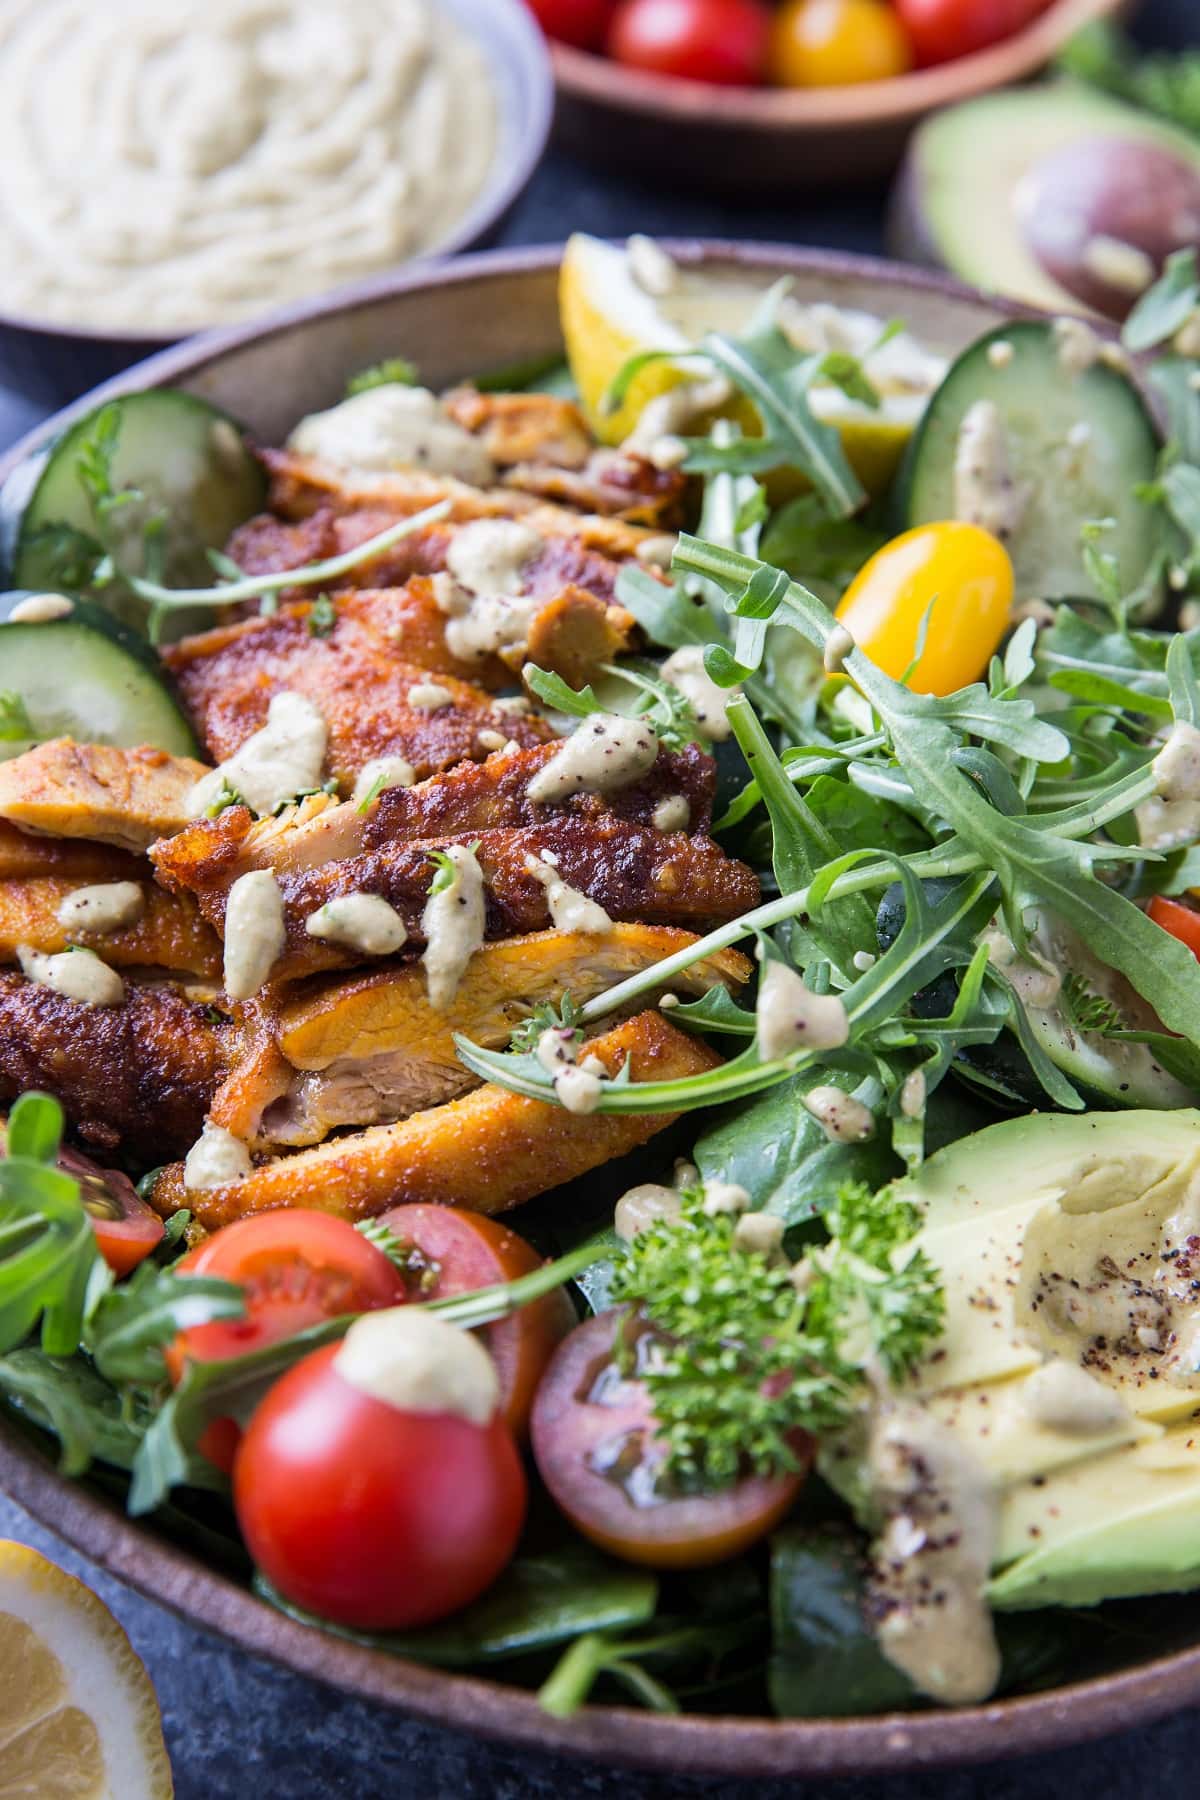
[(965, 171), (1049, 1232)]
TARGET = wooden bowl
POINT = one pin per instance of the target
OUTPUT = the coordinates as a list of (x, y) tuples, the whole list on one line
[(480, 312), (780, 140)]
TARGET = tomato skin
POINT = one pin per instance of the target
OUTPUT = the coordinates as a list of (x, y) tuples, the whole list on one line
[(722, 41), (572, 1431), (942, 30), (126, 1229), (473, 1251), (836, 43), (372, 1517), (1183, 922), (965, 572), (579, 22), (297, 1268)]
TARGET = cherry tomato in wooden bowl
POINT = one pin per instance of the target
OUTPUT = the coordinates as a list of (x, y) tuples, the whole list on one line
[(126, 1229), (722, 41), (371, 1511), (470, 1251), (942, 30), (836, 43), (296, 1268), (594, 1444), (579, 22)]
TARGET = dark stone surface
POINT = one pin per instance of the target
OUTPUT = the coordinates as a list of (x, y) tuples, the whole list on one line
[(240, 1728)]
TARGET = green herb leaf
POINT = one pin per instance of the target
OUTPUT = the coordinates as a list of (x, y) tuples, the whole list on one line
[(137, 1318), (392, 371), (322, 617), (1166, 306), (15, 722)]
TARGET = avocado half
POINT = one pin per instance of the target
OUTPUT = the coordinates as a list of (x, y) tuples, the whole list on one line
[(1054, 195), (1050, 1233)]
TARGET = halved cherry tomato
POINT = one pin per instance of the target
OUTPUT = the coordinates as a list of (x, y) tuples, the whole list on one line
[(595, 1448), (836, 43), (724, 41), (471, 1251), (943, 29), (297, 1267), (126, 1229), (370, 1515), (579, 22), (964, 572), (1183, 922)]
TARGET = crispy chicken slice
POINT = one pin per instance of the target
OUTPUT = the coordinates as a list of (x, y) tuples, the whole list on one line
[(522, 428), (472, 797), (489, 1150), (370, 1050), (170, 935), (373, 703), (360, 670), (128, 798), (659, 878), (25, 856), (135, 1079)]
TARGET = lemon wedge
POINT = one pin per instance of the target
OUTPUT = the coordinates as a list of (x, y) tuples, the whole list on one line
[(78, 1715), (616, 302)]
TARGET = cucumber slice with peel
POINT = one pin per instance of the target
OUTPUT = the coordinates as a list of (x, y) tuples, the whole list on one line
[(1079, 443), (83, 676)]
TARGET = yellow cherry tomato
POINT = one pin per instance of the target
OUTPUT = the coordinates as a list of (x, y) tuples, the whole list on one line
[(965, 572), (836, 43)]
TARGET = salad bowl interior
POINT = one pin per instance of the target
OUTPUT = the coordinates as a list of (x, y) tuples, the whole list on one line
[(480, 314)]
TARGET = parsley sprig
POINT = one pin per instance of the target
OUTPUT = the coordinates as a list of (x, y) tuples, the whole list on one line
[(749, 1356)]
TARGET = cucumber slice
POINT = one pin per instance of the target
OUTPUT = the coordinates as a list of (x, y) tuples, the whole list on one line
[(84, 677), (189, 460), (1041, 402)]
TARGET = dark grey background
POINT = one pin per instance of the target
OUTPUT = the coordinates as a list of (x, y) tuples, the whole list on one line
[(238, 1728)]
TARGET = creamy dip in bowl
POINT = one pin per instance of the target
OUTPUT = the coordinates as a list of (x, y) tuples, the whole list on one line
[(173, 167)]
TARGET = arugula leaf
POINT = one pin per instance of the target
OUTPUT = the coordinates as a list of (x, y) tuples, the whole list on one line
[(47, 1246), (803, 539), (15, 722), (92, 1421), (392, 371), (322, 617), (577, 703), (135, 1320)]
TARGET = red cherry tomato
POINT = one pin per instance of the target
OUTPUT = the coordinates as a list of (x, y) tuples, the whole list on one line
[(594, 1444), (471, 1251), (368, 1515), (944, 29), (126, 1229), (1183, 922), (723, 41), (297, 1267), (579, 22)]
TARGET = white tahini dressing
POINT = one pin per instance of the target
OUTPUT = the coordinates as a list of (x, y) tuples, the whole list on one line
[(255, 933), (453, 925), (642, 1206), (842, 1118), (725, 1197), (76, 974), (418, 1363), (363, 922), (172, 166), (428, 696), (41, 609), (393, 427), (284, 759), (1063, 1397), (985, 491), (570, 910), (685, 670), (109, 906), (759, 1234), (1078, 346), (672, 814), (381, 773), (578, 1085), (604, 754), (930, 1562), (483, 590), (791, 1017), (217, 1159)]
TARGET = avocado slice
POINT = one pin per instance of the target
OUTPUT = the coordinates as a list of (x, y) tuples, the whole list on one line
[(1082, 198), (1069, 1366)]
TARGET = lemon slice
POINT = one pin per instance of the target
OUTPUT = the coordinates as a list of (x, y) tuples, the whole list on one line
[(615, 303), (78, 1715)]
